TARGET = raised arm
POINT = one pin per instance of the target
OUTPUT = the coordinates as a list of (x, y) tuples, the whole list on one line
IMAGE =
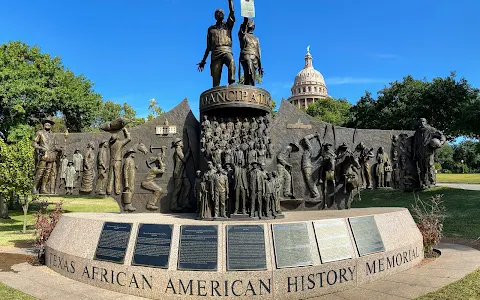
[(230, 6), (231, 15), (127, 136)]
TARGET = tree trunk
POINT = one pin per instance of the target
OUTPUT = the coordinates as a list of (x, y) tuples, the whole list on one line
[(25, 212), (3, 208)]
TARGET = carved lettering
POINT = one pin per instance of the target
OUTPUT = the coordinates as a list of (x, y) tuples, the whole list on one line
[(215, 288), (316, 280), (235, 94), (393, 261)]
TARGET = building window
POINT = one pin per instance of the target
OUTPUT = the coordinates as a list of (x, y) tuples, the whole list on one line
[(309, 89), (298, 91), (304, 90)]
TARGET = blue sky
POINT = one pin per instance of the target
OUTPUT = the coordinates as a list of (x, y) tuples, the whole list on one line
[(138, 50)]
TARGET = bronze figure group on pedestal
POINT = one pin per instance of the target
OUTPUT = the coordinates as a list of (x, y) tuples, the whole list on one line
[(219, 44), (236, 183)]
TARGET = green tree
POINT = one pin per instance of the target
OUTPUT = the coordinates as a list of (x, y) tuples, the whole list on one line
[(34, 85), (154, 109), (110, 111), (330, 110), (466, 151), (444, 156), (16, 174), (447, 103)]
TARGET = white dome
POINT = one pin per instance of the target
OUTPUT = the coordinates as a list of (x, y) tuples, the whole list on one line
[(309, 85), (309, 76)]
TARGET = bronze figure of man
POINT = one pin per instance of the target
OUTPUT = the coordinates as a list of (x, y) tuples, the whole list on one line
[(115, 168), (46, 154), (425, 141), (249, 52), (219, 43)]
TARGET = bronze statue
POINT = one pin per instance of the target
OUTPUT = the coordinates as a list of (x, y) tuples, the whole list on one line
[(425, 141), (283, 169), (277, 192), (221, 192), (209, 179), (198, 190), (249, 52), (129, 170), (180, 196), (63, 169), (88, 169), (307, 165), (46, 150), (115, 168), (382, 159), (349, 168), (327, 173), (241, 189), (78, 161), (219, 43), (70, 176), (257, 188), (148, 182), (365, 171), (269, 195), (102, 168)]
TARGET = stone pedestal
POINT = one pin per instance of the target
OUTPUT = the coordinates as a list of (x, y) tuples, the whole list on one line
[(319, 270)]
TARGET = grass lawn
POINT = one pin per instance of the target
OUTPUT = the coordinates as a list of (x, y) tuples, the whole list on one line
[(463, 207), (11, 229), (12, 294), (458, 178), (466, 288)]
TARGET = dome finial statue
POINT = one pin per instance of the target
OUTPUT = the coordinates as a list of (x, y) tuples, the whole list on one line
[(308, 49)]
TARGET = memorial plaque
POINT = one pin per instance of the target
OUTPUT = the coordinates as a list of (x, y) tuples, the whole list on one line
[(333, 240), (198, 247), (366, 235), (113, 242), (152, 248), (246, 248), (292, 245)]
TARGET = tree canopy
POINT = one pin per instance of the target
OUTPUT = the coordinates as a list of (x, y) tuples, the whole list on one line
[(110, 111), (447, 103), (34, 85), (154, 109), (331, 110)]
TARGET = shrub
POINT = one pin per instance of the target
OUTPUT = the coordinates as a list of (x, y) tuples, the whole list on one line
[(44, 226), (430, 216)]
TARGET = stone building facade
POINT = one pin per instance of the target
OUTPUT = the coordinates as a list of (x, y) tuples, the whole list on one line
[(309, 85)]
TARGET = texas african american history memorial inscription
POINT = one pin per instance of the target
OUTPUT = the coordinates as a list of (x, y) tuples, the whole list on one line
[(186, 189)]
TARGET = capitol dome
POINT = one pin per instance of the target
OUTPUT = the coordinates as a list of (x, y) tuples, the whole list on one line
[(309, 85)]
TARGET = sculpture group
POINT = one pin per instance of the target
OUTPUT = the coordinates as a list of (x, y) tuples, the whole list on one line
[(243, 172), (219, 44)]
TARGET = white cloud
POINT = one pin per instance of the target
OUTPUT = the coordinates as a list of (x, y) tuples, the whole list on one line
[(353, 80)]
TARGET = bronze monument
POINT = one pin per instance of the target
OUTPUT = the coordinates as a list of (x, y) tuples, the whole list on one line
[(219, 43)]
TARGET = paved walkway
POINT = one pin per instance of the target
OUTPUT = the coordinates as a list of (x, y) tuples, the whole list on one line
[(463, 186), (455, 262)]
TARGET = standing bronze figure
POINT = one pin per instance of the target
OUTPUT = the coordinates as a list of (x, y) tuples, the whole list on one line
[(219, 43), (88, 169), (46, 151), (249, 52), (129, 170), (425, 141), (115, 169), (180, 196), (102, 168)]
